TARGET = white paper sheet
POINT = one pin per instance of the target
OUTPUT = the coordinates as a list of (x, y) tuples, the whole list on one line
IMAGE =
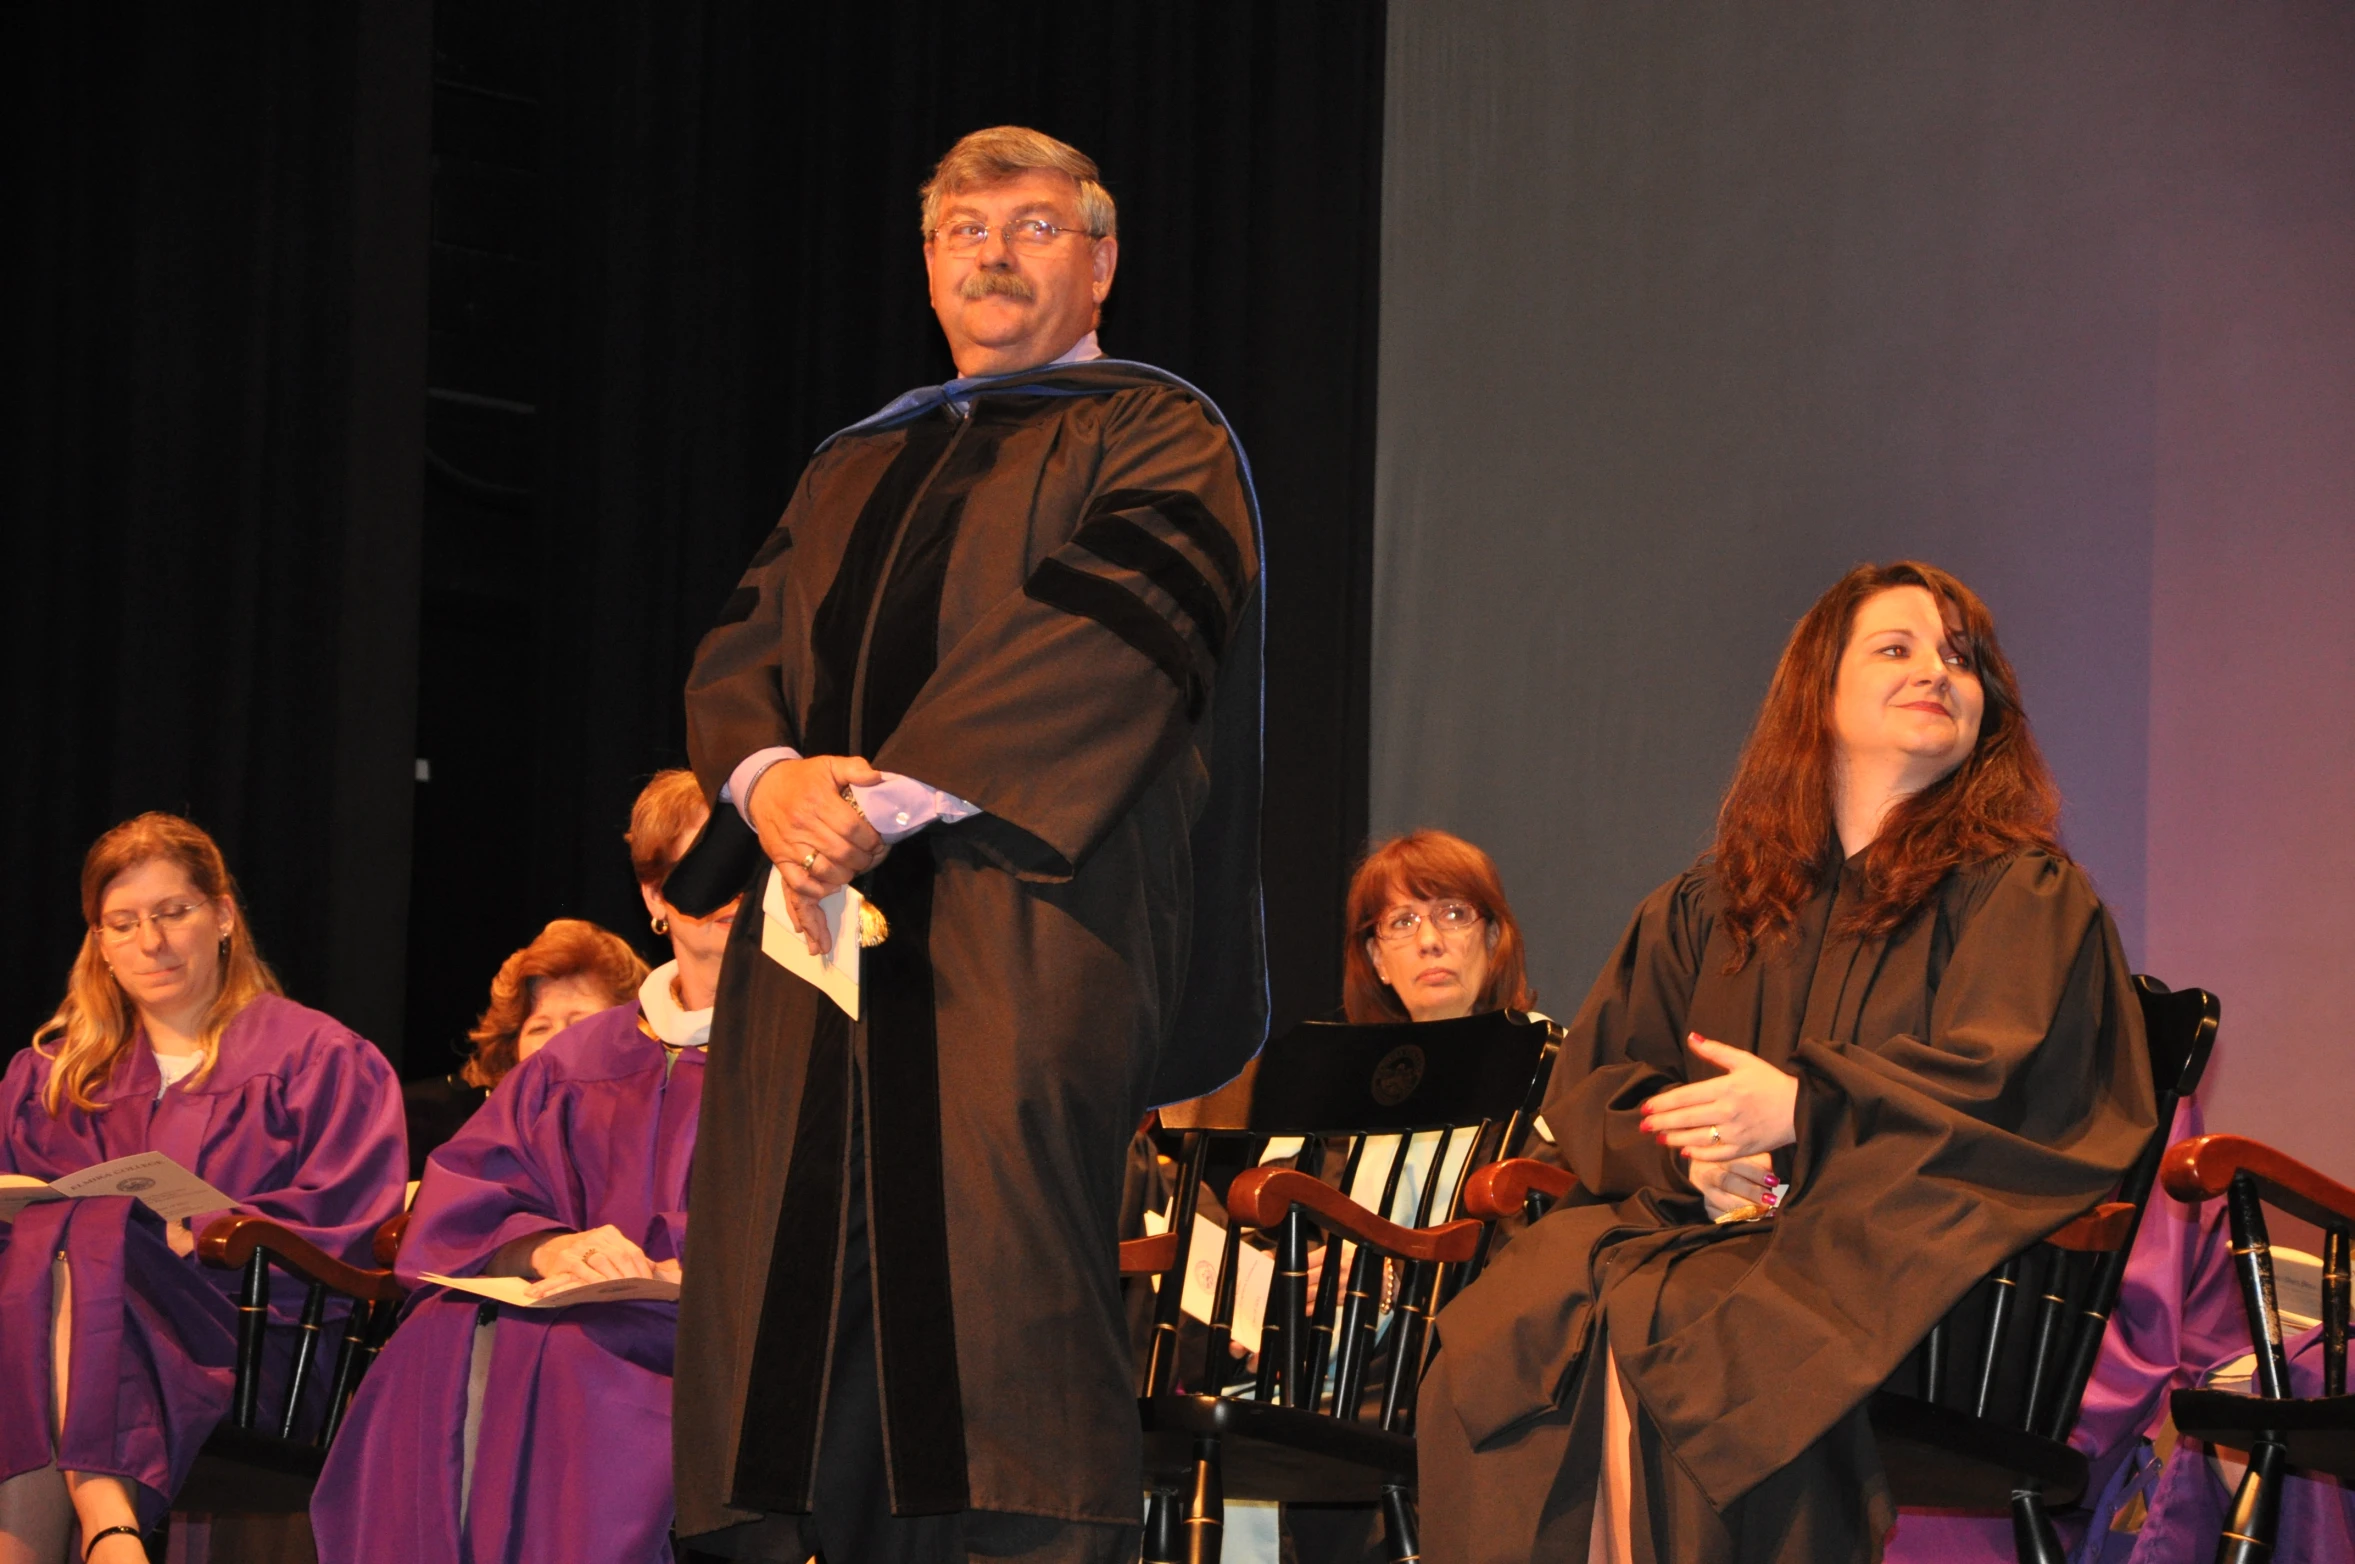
[(515, 1292), (836, 973), (162, 1185), (1254, 1270)]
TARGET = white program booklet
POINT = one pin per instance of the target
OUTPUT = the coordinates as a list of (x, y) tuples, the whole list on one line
[(162, 1185), (1255, 1269), (836, 973), (515, 1292)]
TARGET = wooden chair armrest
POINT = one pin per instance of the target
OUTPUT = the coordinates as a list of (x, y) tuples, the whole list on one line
[(2102, 1230), (232, 1240), (1261, 1197), (1502, 1189), (388, 1240), (2202, 1168), (1148, 1256)]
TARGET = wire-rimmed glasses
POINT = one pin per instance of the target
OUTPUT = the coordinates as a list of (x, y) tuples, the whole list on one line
[(1031, 235), (1450, 917)]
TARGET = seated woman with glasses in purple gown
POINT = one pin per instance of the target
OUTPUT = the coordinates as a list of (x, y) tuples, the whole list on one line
[(571, 970), (172, 1037), (490, 1432)]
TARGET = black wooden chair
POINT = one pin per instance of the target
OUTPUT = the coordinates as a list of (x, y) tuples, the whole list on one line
[(1997, 1438), (1330, 1416), (264, 1460), (2276, 1426)]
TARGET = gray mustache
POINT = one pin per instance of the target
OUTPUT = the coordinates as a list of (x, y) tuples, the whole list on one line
[(981, 284)]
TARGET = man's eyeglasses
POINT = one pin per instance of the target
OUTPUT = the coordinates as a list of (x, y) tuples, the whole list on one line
[(1032, 235), (1449, 917), (123, 927)]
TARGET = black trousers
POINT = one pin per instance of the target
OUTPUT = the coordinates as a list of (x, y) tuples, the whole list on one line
[(853, 1523)]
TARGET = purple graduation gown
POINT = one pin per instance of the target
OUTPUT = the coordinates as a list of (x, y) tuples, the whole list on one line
[(2189, 1499), (572, 1460), (299, 1121), (2177, 1312)]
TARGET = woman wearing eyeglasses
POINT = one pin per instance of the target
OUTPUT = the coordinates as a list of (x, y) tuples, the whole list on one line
[(1435, 938), (1432, 938), (173, 1037)]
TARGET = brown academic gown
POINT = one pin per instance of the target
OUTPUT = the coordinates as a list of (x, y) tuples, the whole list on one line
[(1046, 605), (1966, 1085)]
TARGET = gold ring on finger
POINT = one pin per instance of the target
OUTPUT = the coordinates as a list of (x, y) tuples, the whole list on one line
[(807, 859), (1715, 1139)]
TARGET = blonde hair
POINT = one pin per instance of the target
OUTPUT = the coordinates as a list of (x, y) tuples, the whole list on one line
[(671, 805), (566, 948), (1003, 152), (94, 1025)]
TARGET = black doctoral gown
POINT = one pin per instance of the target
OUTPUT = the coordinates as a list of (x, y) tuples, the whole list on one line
[(1966, 1085), (1044, 602)]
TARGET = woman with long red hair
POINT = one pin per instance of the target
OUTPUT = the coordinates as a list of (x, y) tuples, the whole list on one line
[(1878, 1039), (116, 1348)]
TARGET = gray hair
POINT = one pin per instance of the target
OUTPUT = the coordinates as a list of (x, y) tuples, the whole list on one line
[(989, 157)]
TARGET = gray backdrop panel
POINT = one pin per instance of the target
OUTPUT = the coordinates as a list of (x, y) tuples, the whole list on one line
[(1686, 309)]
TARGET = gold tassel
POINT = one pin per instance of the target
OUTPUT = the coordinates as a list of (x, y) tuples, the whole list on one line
[(874, 928)]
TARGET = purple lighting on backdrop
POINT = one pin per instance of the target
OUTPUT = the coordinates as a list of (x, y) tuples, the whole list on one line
[(2251, 868)]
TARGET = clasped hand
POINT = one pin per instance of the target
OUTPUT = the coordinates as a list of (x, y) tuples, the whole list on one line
[(602, 1253), (1727, 1187), (1747, 1110), (818, 839)]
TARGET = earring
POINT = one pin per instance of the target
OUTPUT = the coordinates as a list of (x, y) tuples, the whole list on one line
[(662, 925), (224, 947)]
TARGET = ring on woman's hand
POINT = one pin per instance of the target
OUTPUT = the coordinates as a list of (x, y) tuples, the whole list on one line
[(808, 859), (1715, 1139)]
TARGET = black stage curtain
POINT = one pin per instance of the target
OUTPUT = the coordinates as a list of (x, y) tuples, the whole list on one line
[(211, 354), (671, 248)]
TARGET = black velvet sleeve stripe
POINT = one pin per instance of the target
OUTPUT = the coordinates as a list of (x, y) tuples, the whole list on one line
[(1115, 608), (738, 607), (1124, 541), (1191, 517)]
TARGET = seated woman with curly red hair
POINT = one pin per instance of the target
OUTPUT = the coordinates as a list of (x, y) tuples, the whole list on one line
[(571, 970), (547, 1433), (173, 1037)]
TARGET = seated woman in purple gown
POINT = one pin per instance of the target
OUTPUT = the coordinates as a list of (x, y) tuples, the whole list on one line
[(494, 1433), (117, 1351), (568, 973)]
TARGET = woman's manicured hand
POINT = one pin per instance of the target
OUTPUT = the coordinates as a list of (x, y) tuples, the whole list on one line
[(1747, 1110)]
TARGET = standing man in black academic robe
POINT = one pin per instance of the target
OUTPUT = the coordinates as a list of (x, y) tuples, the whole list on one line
[(999, 665)]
